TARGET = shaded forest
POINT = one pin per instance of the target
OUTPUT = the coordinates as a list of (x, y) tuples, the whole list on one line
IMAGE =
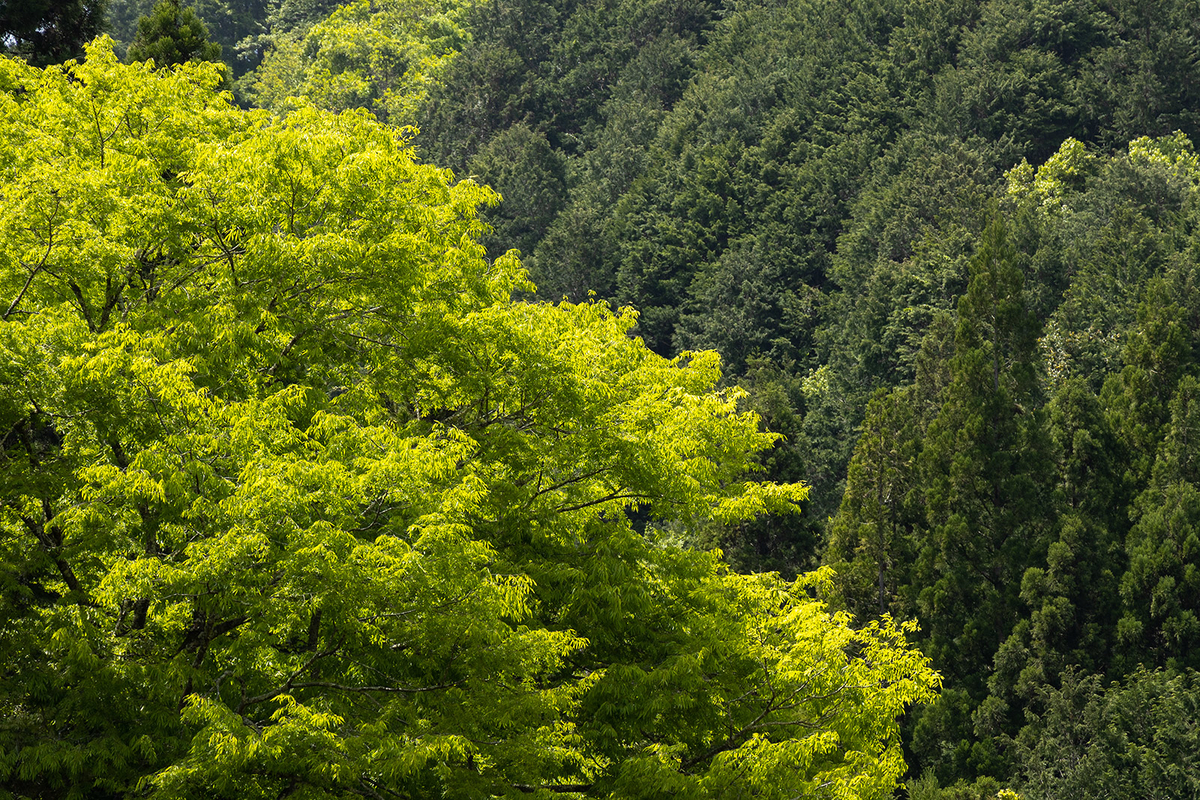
[(950, 251)]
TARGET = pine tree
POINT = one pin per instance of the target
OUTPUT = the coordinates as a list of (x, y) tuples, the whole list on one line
[(173, 34), (987, 468), (49, 31), (872, 536)]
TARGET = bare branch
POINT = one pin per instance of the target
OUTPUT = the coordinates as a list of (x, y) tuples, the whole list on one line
[(607, 498), (559, 788), (384, 689)]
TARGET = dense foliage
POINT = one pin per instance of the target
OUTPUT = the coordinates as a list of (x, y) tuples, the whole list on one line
[(49, 31), (172, 34), (948, 208), (380, 55), (298, 500), (949, 251), (238, 27)]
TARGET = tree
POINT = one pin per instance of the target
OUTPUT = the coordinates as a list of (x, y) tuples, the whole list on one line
[(1134, 739), (238, 26), (987, 467), (987, 472), (904, 254), (872, 538), (298, 500), (1156, 354), (382, 56), (520, 164), (1072, 617), (173, 34), (49, 31), (1018, 69), (1144, 81), (1160, 626)]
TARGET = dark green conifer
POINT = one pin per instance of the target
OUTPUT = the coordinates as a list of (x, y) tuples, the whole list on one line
[(173, 34), (987, 468), (1158, 352), (1161, 589), (1070, 613), (49, 31), (872, 538)]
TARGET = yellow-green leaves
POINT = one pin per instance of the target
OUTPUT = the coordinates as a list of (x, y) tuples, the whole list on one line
[(380, 56), (292, 485), (91, 156), (1065, 171)]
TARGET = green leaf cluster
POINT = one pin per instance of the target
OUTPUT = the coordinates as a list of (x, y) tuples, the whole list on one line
[(379, 56)]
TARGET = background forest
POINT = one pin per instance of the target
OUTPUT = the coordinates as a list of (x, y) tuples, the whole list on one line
[(949, 248)]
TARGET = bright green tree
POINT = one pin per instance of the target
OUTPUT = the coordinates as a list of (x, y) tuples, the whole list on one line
[(298, 500), (382, 56)]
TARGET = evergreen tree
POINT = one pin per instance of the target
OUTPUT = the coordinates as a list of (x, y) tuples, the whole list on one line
[(1016, 72), (1071, 618), (531, 178), (49, 31), (1161, 623), (173, 34), (240, 27), (1157, 353), (987, 471), (1136, 738), (1145, 77), (873, 537)]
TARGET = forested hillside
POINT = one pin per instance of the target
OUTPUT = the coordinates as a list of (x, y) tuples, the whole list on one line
[(946, 250)]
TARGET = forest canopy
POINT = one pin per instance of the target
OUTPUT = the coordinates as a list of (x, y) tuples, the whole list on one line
[(946, 251), (299, 499)]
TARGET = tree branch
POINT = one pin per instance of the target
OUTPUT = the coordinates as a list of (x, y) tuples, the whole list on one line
[(560, 788), (605, 499)]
